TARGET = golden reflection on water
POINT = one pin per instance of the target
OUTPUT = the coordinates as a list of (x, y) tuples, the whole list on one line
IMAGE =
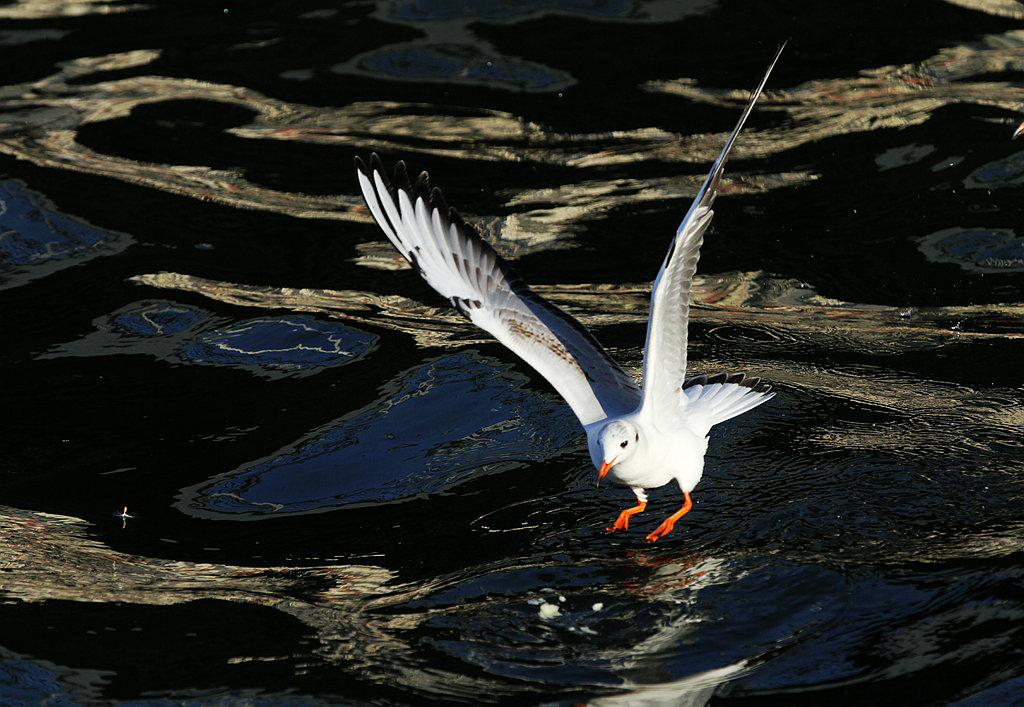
[(891, 96), (546, 218), (39, 9), (57, 105), (885, 97), (45, 557), (895, 95), (736, 298)]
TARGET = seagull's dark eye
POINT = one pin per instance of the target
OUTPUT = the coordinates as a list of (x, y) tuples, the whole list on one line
[(637, 436), (623, 445)]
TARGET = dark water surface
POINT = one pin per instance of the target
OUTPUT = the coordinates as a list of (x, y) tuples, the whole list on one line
[(342, 493)]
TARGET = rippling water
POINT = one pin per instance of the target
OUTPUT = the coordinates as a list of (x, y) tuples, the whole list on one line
[(249, 456)]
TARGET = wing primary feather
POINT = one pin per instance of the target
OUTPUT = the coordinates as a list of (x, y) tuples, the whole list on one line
[(709, 189), (665, 347), (485, 289), (739, 379), (368, 185)]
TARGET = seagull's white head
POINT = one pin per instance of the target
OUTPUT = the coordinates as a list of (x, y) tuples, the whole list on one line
[(618, 440)]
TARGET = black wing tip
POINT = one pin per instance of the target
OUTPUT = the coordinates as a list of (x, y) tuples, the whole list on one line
[(375, 165), (420, 187), (439, 202), (434, 199), (400, 176), (739, 379)]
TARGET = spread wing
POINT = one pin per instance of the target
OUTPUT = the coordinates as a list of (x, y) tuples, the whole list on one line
[(665, 349), (456, 262)]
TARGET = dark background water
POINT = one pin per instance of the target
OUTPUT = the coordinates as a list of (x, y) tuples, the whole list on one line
[(342, 493)]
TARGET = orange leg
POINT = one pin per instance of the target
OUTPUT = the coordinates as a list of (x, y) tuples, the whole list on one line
[(622, 522), (667, 524)]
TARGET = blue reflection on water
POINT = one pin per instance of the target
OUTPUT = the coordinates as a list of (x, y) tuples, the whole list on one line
[(452, 52), (436, 425), (287, 346), (36, 239), (39, 682), (158, 319), (23, 682), (987, 250), (1005, 172), (295, 343), (461, 63)]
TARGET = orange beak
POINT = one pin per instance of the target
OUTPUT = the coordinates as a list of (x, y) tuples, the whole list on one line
[(1019, 130), (605, 466)]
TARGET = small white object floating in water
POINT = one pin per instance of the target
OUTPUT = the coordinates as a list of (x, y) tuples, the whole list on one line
[(549, 611)]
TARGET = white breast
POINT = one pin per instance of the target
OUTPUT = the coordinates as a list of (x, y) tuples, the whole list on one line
[(658, 459)]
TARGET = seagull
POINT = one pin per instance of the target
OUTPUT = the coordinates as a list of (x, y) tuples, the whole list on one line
[(640, 438)]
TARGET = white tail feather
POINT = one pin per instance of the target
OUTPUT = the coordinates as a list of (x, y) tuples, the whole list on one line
[(714, 403)]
